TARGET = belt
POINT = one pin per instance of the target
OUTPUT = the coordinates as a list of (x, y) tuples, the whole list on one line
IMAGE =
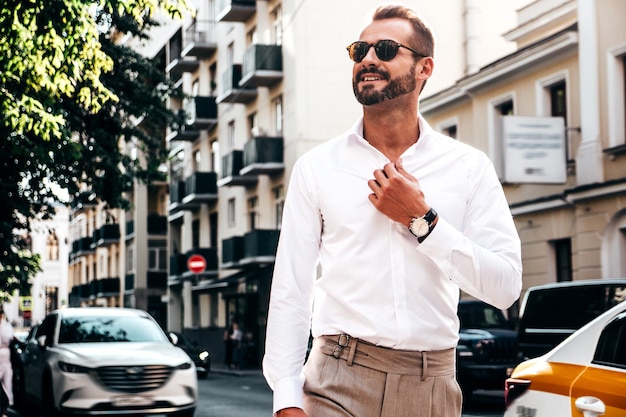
[(361, 352)]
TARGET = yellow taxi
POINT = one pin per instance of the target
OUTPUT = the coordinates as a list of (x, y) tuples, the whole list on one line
[(584, 376)]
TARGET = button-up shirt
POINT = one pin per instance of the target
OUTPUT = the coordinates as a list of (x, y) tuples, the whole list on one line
[(344, 267)]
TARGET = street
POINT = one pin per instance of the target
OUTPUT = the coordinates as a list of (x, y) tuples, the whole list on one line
[(245, 394)]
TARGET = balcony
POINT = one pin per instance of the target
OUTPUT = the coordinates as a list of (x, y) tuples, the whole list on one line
[(177, 192), (106, 235), (177, 63), (83, 201), (262, 66), (231, 92), (199, 112), (84, 246), (178, 264), (200, 188), (232, 251), (157, 225), (157, 280), (235, 10), (260, 246), (232, 164), (107, 287), (200, 39), (263, 156)]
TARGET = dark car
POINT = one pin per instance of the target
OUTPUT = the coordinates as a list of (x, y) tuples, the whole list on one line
[(552, 312), (487, 350), (201, 357)]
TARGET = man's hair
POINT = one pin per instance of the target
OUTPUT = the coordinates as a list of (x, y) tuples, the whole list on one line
[(424, 40)]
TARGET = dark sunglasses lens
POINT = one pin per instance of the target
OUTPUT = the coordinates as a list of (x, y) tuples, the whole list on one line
[(358, 50), (386, 50)]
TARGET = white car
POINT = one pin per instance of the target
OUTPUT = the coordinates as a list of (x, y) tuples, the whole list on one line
[(105, 361), (585, 375)]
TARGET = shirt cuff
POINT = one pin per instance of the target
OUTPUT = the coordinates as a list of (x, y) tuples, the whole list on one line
[(288, 393), (438, 246)]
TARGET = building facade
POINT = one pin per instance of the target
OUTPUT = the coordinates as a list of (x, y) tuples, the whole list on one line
[(551, 115), (266, 81)]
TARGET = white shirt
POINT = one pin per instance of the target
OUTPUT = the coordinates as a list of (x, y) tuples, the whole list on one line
[(377, 282)]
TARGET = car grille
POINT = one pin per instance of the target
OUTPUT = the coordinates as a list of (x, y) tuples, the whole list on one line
[(501, 350), (134, 378)]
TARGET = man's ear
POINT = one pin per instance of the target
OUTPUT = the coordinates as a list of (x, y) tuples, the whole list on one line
[(426, 65)]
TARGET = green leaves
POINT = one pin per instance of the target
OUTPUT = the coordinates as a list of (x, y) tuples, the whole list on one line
[(68, 95)]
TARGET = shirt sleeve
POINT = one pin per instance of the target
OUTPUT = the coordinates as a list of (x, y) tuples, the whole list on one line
[(291, 297), (484, 257)]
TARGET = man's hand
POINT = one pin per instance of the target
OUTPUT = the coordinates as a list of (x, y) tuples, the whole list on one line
[(397, 194), (291, 412)]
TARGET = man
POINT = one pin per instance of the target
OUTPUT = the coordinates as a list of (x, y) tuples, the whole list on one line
[(6, 369), (399, 217)]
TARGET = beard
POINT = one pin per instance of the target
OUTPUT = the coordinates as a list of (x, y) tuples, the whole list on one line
[(397, 86)]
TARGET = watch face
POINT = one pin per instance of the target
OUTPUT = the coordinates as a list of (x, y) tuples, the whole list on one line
[(419, 227)]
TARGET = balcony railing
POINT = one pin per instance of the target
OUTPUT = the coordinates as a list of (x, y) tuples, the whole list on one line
[(157, 280), (107, 287), (200, 39), (200, 188), (263, 155), (157, 225), (232, 164), (230, 91), (177, 63), (199, 112), (260, 246), (177, 193), (232, 251), (235, 10), (82, 201), (84, 246), (106, 235), (262, 66)]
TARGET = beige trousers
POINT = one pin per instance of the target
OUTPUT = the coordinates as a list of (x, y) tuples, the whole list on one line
[(346, 377)]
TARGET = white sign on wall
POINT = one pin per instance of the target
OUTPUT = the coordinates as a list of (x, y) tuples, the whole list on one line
[(534, 149)]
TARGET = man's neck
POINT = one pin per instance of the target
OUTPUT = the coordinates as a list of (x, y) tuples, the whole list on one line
[(391, 133)]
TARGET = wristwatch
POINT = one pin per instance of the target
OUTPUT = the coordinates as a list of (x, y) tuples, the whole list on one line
[(422, 226)]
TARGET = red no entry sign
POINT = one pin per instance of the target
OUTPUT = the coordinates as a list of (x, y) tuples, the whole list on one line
[(196, 264)]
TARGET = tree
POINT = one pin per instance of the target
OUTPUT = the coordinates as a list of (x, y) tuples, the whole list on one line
[(69, 93)]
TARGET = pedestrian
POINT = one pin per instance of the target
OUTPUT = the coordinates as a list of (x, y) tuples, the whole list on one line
[(6, 369), (400, 218), (235, 339)]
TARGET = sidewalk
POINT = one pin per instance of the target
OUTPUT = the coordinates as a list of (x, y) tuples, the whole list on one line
[(221, 368)]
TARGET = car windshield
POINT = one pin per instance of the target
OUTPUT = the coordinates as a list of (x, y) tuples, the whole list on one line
[(481, 316), (109, 329)]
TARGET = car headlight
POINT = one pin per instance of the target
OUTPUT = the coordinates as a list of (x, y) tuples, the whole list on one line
[(73, 369), (204, 355), (184, 366)]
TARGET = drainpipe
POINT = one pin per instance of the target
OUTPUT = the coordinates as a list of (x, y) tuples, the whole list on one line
[(472, 36), (589, 167)]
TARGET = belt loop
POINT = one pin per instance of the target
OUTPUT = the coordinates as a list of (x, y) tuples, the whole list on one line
[(424, 365), (342, 342), (352, 351)]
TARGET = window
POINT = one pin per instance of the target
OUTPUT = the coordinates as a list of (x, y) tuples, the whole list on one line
[(611, 349), (231, 213), (231, 134), (502, 106), (558, 100), (563, 259), (157, 259), (195, 233), (616, 83), (279, 204), (52, 246), (253, 212), (130, 260), (253, 125), (216, 163), (278, 115), (277, 25)]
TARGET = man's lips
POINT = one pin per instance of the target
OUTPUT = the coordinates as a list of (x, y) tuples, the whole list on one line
[(368, 78)]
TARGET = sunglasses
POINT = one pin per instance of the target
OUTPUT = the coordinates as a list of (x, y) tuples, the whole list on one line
[(386, 50)]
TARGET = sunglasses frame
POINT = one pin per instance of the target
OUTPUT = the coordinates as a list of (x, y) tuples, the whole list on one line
[(377, 45)]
